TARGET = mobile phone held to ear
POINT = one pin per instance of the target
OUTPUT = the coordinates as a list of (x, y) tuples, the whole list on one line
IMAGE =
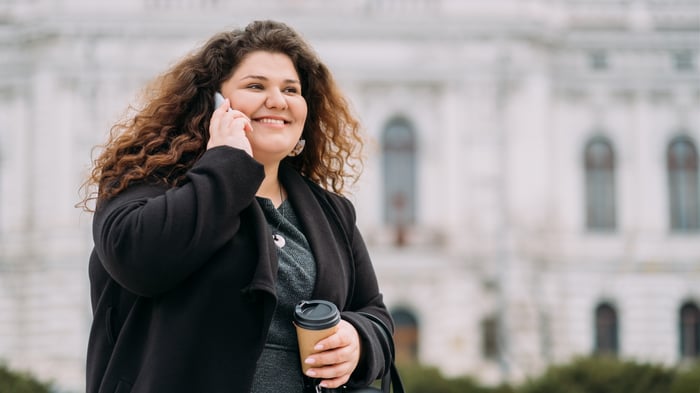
[(219, 100)]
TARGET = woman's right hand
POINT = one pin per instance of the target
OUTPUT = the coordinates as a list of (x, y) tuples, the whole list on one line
[(228, 128)]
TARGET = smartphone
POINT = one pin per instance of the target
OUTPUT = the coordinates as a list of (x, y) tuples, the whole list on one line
[(218, 100)]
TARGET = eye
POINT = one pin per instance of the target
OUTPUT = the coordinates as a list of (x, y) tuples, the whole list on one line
[(255, 86), (291, 90)]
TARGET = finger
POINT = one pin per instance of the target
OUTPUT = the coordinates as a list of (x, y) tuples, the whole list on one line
[(220, 115), (333, 341), (235, 114), (230, 132), (333, 383), (239, 124), (214, 131), (330, 372), (327, 358), (225, 106), (240, 115), (215, 121), (248, 127)]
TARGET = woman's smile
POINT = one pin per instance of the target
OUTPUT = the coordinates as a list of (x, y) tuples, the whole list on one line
[(272, 121)]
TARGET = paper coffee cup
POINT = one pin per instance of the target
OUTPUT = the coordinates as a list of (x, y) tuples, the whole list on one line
[(314, 320)]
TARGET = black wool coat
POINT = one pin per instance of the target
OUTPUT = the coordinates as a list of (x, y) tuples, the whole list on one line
[(182, 279)]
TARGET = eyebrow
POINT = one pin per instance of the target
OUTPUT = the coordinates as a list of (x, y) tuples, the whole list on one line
[(264, 78)]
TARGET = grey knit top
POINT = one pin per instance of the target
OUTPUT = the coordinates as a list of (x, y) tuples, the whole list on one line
[(279, 368)]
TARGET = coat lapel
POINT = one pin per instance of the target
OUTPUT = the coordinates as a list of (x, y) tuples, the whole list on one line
[(265, 274), (332, 261)]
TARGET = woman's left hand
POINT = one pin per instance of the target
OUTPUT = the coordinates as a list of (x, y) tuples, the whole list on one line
[(336, 358)]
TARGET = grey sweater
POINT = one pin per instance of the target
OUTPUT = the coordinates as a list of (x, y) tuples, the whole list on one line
[(279, 368)]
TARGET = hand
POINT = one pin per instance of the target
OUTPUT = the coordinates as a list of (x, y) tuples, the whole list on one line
[(228, 128), (337, 357)]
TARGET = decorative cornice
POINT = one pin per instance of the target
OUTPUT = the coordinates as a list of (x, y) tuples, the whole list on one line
[(413, 19), (476, 23)]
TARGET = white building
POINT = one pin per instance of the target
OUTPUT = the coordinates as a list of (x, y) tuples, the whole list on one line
[(542, 201)]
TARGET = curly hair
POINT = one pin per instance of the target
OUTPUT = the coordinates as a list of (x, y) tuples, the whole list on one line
[(162, 140)]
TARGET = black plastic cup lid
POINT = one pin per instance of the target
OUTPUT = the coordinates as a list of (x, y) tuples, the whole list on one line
[(316, 314)]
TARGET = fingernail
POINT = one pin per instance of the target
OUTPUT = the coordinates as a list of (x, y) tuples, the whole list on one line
[(318, 347), (310, 361), (311, 373)]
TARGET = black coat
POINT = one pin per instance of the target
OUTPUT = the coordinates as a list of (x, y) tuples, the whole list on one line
[(183, 279)]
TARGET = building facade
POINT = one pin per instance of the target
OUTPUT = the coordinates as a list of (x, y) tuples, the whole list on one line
[(530, 191)]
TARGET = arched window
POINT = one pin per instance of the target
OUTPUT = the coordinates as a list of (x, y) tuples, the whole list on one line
[(689, 330), (405, 335), (600, 185), (606, 342), (683, 184), (399, 148)]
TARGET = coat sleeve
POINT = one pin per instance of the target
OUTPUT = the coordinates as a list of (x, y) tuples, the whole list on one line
[(150, 238), (376, 357), (375, 350)]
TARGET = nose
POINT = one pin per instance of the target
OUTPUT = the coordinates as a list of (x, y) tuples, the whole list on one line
[(275, 99)]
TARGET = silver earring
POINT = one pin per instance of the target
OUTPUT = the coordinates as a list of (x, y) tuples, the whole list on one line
[(297, 148)]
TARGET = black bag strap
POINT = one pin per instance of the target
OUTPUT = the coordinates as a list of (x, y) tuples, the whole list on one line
[(391, 377)]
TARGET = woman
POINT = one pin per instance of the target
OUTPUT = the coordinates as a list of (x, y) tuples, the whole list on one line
[(211, 223)]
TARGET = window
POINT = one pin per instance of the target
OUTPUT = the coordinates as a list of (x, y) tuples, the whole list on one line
[(690, 330), (605, 330), (598, 60), (405, 335), (489, 338), (684, 60), (683, 185), (600, 185), (399, 148)]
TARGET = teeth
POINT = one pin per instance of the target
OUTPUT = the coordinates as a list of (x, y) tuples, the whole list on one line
[(271, 121)]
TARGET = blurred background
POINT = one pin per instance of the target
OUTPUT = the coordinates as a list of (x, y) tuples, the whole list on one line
[(531, 189)]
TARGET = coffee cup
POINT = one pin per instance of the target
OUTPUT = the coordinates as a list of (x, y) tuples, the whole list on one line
[(314, 320)]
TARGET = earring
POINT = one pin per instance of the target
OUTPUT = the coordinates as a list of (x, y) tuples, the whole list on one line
[(297, 148)]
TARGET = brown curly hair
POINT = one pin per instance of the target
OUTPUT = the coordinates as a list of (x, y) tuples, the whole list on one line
[(163, 140)]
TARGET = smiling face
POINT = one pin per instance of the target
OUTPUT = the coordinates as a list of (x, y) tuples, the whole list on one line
[(266, 87)]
